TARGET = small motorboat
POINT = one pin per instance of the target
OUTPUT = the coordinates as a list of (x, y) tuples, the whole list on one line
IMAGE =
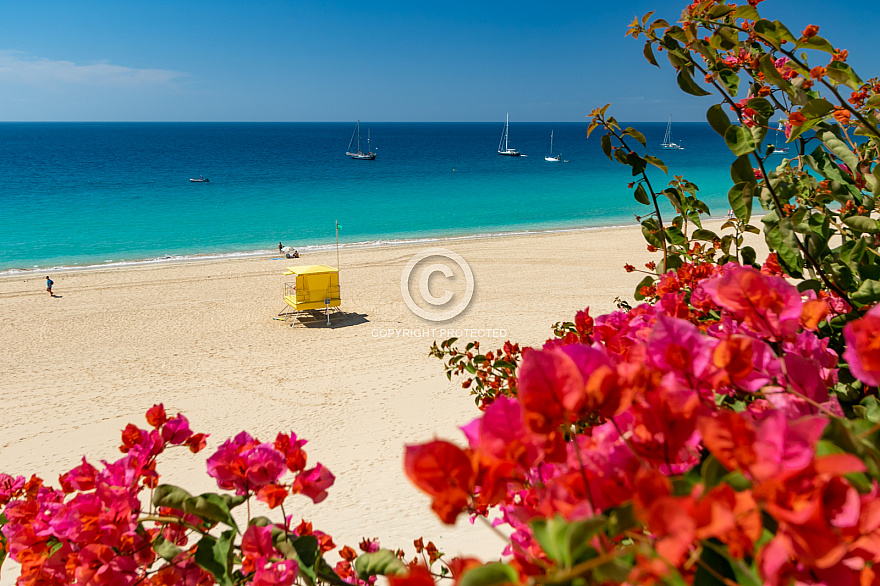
[(200, 180)]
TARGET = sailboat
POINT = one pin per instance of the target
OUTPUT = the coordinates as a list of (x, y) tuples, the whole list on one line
[(360, 155), (550, 157), (776, 150), (503, 147), (667, 139)]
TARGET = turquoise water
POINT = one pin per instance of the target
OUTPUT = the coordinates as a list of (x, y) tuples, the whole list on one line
[(81, 194)]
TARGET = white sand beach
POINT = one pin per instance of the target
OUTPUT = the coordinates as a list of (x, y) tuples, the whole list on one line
[(200, 337)]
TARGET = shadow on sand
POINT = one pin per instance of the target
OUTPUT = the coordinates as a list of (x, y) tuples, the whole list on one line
[(318, 319)]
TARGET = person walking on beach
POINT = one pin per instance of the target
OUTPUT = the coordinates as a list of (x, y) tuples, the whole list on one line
[(280, 248), (49, 283)]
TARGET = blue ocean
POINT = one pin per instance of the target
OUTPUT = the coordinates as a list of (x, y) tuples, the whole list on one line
[(85, 194)]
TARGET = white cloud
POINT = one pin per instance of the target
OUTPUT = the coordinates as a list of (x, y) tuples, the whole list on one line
[(23, 68)]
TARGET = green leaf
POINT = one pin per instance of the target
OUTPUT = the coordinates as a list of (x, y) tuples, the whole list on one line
[(630, 131), (648, 52), (380, 563), (842, 276), (747, 12), (741, 171), (720, 569), (718, 119), (707, 235), (650, 230), (606, 145), (730, 79), (636, 162), (657, 163), (646, 282), (748, 255), (720, 10), (167, 495), (840, 72), (165, 549), (307, 548), (564, 542), (868, 292), (818, 43), (740, 197), (215, 556), (210, 506), (675, 235), (641, 195), (771, 74), (780, 241), (863, 224), (688, 85), (712, 471), (742, 573), (762, 106), (839, 148), (739, 140), (492, 574)]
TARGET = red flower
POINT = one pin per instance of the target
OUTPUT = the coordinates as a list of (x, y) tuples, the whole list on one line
[(444, 472), (156, 415), (272, 494), (863, 347), (817, 72), (811, 31), (842, 115), (796, 118)]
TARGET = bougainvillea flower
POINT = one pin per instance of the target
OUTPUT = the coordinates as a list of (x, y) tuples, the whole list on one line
[(314, 483), (418, 575), (272, 494), (281, 573), (295, 457), (156, 415), (551, 389), (443, 471), (863, 347), (769, 306), (176, 431)]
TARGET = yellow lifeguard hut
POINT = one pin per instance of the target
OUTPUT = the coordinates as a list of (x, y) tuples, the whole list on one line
[(315, 287)]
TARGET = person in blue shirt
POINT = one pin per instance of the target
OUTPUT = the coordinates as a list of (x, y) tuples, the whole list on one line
[(49, 283)]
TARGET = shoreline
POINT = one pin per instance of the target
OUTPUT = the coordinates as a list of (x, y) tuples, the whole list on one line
[(316, 248)]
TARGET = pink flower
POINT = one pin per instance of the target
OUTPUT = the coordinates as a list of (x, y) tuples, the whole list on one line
[(769, 306), (176, 431), (314, 483), (9, 486), (863, 347), (278, 574)]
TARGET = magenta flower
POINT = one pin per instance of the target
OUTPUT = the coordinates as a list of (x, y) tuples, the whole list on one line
[(769, 306), (263, 465), (176, 431), (314, 483), (277, 574)]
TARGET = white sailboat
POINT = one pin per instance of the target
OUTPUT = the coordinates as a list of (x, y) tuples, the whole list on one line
[(503, 146), (550, 157), (667, 139), (360, 155), (776, 150)]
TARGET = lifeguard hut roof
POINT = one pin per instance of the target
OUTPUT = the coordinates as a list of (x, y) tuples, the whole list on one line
[(309, 270)]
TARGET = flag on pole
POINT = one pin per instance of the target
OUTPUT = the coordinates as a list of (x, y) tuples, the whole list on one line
[(338, 227)]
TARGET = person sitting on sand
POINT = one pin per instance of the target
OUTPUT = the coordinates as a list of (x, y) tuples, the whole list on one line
[(49, 283)]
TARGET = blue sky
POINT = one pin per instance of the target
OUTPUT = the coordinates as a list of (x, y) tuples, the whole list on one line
[(378, 60)]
